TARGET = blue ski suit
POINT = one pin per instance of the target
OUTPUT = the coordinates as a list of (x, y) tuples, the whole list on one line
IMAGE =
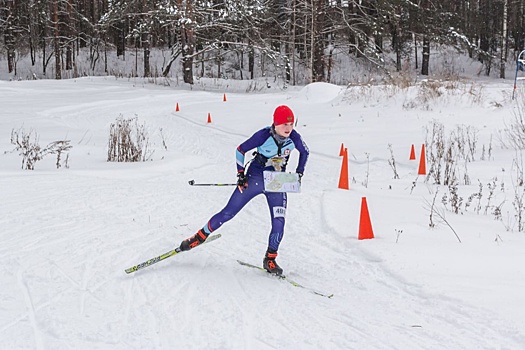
[(272, 154)]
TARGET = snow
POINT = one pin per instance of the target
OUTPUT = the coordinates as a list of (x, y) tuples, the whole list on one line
[(68, 234)]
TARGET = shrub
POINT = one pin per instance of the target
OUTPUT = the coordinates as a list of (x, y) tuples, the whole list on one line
[(128, 141), (26, 143)]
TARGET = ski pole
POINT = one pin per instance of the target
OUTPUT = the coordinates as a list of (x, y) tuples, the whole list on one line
[(192, 183)]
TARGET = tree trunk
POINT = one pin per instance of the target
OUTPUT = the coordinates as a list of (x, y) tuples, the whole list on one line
[(329, 65), (69, 57), (426, 55), (175, 52), (415, 50), (318, 24), (105, 57), (9, 36), (396, 43), (203, 68), (240, 56), (188, 44), (145, 46), (251, 62), (10, 47), (503, 47), (32, 53), (136, 60), (120, 40), (187, 39), (219, 61), (56, 39), (293, 29), (70, 34), (44, 63), (145, 29), (521, 25)]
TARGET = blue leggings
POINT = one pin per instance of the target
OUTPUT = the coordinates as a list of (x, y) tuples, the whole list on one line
[(276, 204)]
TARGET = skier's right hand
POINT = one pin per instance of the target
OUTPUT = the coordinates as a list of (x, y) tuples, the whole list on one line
[(242, 181)]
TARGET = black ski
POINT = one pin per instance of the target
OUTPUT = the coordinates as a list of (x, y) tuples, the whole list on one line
[(283, 277)]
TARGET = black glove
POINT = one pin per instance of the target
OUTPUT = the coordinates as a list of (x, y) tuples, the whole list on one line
[(300, 176), (242, 180)]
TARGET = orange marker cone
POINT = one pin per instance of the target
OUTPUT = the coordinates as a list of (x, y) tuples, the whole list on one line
[(422, 162), (412, 153), (209, 118), (342, 150), (365, 226), (177, 107), (224, 98), (343, 177)]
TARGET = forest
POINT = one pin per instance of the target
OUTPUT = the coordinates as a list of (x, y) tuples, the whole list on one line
[(303, 41)]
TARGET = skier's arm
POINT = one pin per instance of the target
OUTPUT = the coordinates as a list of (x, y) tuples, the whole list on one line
[(304, 152), (255, 140)]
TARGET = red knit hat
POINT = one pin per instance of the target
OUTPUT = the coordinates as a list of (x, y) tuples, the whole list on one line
[(282, 114)]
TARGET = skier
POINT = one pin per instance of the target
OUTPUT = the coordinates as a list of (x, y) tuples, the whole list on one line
[(274, 145)]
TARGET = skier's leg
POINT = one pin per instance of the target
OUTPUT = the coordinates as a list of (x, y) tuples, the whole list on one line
[(277, 204), (236, 202)]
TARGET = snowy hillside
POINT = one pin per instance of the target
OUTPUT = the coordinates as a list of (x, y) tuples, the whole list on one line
[(68, 234)]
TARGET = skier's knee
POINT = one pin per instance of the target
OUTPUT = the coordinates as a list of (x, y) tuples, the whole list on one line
[(227, 216)]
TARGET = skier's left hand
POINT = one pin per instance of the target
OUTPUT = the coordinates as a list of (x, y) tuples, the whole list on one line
[(300, 176)]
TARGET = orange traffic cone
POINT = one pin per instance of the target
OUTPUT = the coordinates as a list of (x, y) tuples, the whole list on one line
[(224, 98), (412, 153), (365, 226), (342, 150), (177, 107), (422, 162), (209, 118), (343, 177)]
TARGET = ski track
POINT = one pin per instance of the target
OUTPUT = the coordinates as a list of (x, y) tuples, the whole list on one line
[(75, 253), (31, 310)]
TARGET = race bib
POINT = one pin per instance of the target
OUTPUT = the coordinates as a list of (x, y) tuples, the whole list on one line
[(279, 212)]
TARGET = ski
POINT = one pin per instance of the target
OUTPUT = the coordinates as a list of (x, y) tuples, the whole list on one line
[(283, 277), (165, 256)]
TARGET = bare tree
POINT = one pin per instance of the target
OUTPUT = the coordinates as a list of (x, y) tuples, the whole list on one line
[(187, 39), (317, 44), (503, 41), (56, 38), (233, 33)]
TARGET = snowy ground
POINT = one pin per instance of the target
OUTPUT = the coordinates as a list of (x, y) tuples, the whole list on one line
[(68, 234)]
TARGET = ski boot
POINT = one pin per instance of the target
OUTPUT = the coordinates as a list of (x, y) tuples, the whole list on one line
[(193, 241), (269, 263)]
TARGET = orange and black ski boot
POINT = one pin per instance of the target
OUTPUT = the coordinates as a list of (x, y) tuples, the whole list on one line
[(193, 241), (270, 264)]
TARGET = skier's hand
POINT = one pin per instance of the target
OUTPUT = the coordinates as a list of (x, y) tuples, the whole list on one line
[(242, 181), (300, 176)]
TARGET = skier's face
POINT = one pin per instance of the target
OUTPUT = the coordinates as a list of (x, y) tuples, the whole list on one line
[(284, 130)]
